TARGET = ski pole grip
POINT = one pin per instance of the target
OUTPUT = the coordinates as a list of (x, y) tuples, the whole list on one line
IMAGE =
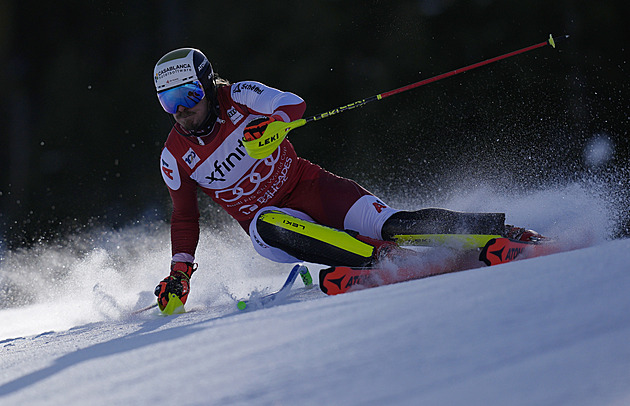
[(273, 136)]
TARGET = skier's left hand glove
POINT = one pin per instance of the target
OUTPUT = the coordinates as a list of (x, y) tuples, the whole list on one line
[(256, 128), (178, 283)]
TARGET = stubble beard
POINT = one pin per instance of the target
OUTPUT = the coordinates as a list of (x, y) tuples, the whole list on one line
[(192, 118)]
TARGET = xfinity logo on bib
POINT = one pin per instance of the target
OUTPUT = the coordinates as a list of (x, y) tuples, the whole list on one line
[(225, 166), (222, 168)]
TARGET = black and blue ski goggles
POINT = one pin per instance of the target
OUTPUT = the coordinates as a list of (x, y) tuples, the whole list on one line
[(187, 95)]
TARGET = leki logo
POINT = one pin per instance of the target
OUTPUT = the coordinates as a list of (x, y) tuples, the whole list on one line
[(294, 224)]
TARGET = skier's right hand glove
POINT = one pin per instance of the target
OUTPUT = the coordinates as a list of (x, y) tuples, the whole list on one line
[(178, 283), (256, 128)]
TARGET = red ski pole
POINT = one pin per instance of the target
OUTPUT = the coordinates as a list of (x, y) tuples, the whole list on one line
[(360, 103), (277, 131)]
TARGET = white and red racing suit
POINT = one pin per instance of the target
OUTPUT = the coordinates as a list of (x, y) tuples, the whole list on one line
[(218, 164)]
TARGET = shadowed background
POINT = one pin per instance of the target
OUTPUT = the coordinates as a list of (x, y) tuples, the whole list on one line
[(82, 129)]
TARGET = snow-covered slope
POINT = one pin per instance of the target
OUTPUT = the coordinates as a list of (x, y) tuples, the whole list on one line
[(545, 331)]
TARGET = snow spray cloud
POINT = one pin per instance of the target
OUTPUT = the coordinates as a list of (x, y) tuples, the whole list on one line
[(105, 274), (595, 204), (88, 277)]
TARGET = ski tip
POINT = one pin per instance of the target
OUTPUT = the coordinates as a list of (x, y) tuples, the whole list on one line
[(551, 41), (241, 305)]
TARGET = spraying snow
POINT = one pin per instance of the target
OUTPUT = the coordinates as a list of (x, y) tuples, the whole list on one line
[(104, 274), (550, 330)]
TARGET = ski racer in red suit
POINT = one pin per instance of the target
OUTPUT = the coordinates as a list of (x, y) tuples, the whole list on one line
[(204, 151)]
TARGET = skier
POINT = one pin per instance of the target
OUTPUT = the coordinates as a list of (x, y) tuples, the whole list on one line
[(271, 198)]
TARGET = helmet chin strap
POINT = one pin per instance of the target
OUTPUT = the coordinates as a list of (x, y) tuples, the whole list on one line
[(206, 125), (205, 128)]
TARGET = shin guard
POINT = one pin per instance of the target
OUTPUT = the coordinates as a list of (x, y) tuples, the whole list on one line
[(313, 242)]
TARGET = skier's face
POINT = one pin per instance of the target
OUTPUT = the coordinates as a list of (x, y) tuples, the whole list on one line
[(192, 117)]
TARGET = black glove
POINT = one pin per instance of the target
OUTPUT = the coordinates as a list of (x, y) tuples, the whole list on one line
[(256, 128), (178, 283)]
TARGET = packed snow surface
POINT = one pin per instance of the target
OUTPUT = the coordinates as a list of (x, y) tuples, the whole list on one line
[(545, 331)]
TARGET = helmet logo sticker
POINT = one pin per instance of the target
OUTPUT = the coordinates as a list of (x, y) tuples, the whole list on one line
[(172, 70), (200, 67)]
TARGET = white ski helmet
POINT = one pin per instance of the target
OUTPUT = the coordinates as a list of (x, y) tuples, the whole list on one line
[(183, 66)]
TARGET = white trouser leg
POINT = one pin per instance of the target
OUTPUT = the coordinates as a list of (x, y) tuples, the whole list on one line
[(367, 216), (272, 253)]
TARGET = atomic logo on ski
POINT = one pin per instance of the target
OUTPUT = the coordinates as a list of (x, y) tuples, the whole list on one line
[(513, 253), (340, 279), (337, 281), (498, 253), (504, 249)]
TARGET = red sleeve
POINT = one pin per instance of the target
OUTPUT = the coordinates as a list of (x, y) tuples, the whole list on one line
[(292, 111), (185, 217)]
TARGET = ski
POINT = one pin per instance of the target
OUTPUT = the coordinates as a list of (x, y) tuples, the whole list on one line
[(501, 250), (341, 279), (457, 241), (275, 297)]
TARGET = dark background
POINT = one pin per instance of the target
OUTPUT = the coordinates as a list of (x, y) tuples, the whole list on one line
[(82, 129)]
